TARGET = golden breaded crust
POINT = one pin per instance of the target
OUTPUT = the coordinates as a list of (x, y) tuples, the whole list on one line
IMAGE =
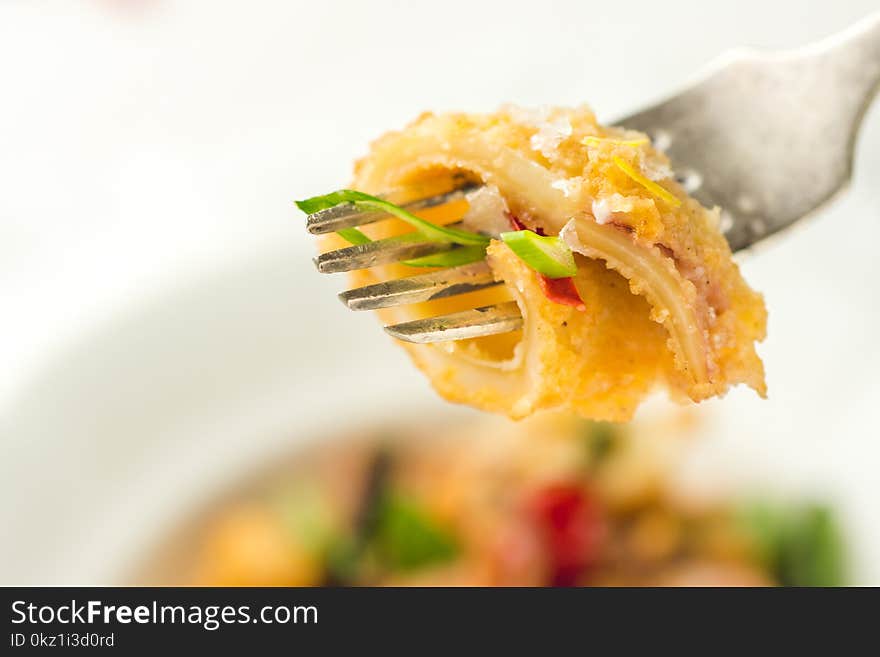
[(665, 303)]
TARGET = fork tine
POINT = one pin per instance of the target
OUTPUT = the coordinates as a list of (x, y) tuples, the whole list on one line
[(347, 216), (476, 323), (380, 252), (423, 287)]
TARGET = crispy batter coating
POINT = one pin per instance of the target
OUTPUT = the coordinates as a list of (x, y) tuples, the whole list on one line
[(666, 305)]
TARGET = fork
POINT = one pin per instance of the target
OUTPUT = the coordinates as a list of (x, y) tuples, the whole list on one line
[(768, 137)]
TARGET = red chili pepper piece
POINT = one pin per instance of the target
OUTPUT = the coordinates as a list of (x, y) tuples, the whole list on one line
[(562, 290), (571, 524), (518, 225)]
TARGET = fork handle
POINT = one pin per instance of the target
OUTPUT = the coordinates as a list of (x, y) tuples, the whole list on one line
[(854, 56)]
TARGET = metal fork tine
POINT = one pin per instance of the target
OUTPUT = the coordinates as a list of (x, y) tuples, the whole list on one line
[(380, 252), (347, 216), (423, 287), (476, 323)]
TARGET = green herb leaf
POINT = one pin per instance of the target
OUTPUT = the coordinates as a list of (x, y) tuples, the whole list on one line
[(601, 440), (815, 556), (353, 236), (549, 255), (342, 561), (363, 201), (462, 255), (801, 545), (407, 539), (305, 514)]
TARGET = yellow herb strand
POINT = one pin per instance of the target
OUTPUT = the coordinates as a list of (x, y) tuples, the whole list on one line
[(590, 140), (647, 183)]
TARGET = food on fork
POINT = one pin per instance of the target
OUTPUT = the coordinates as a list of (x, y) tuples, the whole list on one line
[(595, 278)]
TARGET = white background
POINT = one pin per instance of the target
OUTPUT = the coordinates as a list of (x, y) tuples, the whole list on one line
[(162, 326)]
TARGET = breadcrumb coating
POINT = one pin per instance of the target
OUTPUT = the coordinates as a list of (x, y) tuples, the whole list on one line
[(666, 305)]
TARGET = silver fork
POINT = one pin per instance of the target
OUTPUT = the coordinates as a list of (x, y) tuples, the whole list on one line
[(768, 137)]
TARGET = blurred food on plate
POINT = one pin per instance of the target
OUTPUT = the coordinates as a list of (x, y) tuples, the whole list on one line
[(555, 500)]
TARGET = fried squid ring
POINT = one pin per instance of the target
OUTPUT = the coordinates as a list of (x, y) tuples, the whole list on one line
[(663, 302)]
